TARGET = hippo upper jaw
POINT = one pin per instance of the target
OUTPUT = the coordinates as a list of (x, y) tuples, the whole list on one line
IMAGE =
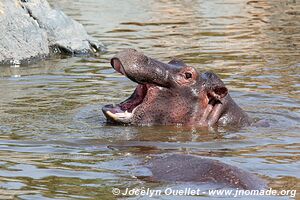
[(147, 88)]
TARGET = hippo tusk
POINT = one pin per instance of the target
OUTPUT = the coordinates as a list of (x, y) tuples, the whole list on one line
[(120, 117)]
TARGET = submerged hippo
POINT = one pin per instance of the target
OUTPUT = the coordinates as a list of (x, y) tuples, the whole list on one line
[(188, 168), (172, 93)]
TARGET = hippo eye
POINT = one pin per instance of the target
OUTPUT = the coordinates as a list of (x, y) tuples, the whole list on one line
[(188, 75)]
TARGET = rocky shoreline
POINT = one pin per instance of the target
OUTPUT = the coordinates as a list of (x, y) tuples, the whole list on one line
[(30, 30)]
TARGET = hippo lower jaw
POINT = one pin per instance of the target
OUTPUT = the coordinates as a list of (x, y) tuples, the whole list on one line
[(121, 117)]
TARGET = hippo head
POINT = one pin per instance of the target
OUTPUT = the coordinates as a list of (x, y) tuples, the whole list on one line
[(166, 94)]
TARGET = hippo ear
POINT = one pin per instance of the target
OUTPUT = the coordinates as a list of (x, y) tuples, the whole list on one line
[(217, 92), (177, 62)]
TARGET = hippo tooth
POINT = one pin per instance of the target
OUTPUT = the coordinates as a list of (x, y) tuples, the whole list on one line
[(123, 115), (117, 116)]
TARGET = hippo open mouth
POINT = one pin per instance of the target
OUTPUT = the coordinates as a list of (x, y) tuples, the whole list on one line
[(124, 111)]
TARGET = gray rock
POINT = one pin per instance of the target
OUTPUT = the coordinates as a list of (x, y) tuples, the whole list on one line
[(21, 38), (31, 30)]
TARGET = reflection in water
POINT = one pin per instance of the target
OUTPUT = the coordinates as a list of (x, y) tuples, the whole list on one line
[(54, 141)]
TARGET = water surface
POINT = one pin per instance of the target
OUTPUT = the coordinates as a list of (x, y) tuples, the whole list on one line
[(54, 143)]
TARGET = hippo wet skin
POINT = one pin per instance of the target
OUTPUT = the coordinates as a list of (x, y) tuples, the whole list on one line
[(172, 94), (189, 168)]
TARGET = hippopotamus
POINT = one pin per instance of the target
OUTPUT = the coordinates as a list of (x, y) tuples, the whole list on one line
[(172, 93), (190, 168), (175, 93)]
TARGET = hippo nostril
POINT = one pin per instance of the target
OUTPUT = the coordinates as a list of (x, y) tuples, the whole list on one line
[(117, 65)]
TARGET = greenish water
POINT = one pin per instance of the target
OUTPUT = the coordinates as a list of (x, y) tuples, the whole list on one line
[(54, 143)]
